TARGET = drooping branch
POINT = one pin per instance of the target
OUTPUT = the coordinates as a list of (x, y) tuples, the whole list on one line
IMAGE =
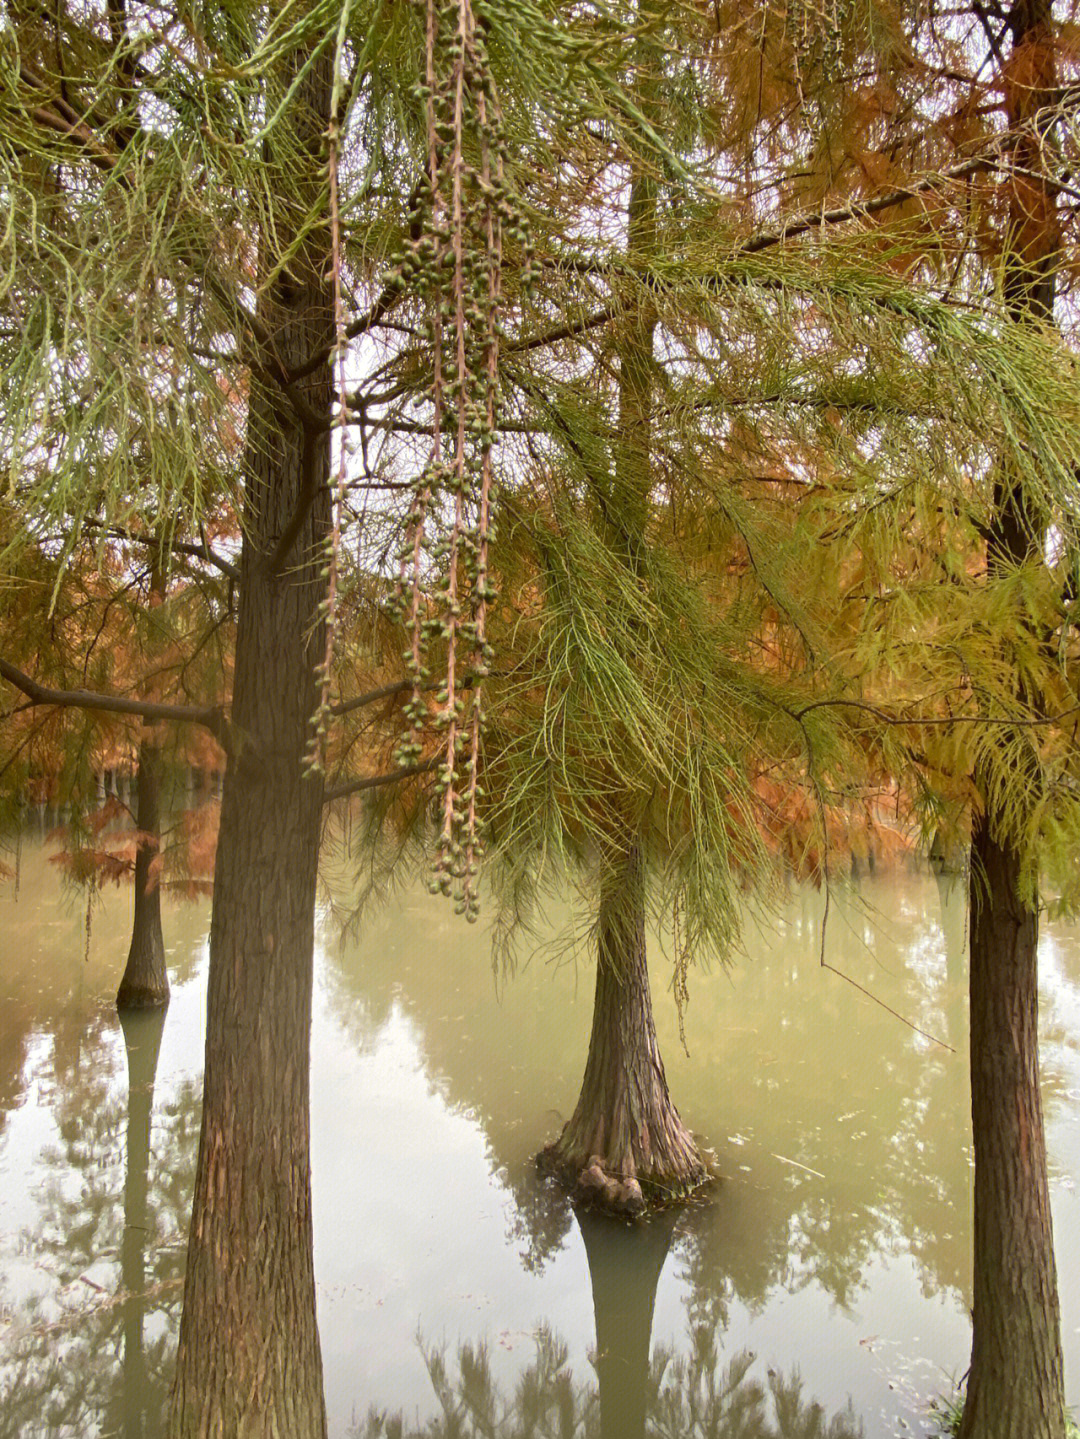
[(457, 263), (332, 556), (60, 118), (210, 717)]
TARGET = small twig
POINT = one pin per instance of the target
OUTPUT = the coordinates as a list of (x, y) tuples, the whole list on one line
[(795, 1163), (200, 551), (354, 786), (881, 1003)]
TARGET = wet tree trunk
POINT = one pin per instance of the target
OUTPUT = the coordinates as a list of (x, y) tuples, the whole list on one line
[(625, 1144), (249, 1363), (145, 983), (142, 1040), (1015, 1385)]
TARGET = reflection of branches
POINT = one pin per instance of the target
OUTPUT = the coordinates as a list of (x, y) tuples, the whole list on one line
[(540, 1218), (696, 1397)]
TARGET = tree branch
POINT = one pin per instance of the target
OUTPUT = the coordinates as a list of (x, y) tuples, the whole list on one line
[(200, 551), (354, 786), (209, 717), (818, 219), (766, 239), (370, 697)]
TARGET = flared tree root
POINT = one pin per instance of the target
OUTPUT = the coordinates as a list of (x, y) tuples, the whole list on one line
[(618, 1187)]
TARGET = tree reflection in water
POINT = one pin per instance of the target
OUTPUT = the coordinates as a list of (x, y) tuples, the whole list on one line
[(695, 1395), (788, 1068), (59, 1373)]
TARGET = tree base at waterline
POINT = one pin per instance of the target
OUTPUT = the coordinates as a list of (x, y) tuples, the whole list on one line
[(145, 984), (625, 1148), (618, 1187)]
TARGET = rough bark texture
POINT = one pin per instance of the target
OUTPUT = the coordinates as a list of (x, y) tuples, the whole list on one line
[(145, 983), (249, 1364), (142, 1040), (625, 1145), (1015, 1385)]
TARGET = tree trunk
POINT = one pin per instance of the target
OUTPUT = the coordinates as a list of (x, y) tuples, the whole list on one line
[(249, 1364), (625, 1145), (142, 1040), (1015, 1385), (146, 980)]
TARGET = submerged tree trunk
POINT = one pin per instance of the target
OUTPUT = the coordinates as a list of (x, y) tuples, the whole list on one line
[(142, 1040), (1015, 1385), (625, 1145), (249, 1363), (145, 983)]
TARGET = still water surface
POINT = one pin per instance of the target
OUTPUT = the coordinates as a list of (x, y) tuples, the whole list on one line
[(837, 1245)]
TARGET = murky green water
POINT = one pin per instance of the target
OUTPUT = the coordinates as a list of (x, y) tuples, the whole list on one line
[(838, 1244)]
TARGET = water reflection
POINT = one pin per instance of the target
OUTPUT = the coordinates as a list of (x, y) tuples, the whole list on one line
[(92, 1285), (142, 1042), (695, 1397), (840, 1132), (636, 1393), (837, 1243)]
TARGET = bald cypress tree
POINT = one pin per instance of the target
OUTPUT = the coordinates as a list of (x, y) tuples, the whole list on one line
[(695, 308)]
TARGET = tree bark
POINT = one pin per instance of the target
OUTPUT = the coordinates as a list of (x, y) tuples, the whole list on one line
[(1015, 1386), (625, 1144), (142, 1040), (249, 1363), (145, 983)]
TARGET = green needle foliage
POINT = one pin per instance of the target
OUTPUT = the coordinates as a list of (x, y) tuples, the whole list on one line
[(826, 417)]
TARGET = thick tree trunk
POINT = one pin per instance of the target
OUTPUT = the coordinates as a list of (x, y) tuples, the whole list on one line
[(1015, 1385), (625, 1264), (145, 983), (249, 1363), (142, 1040), (625, 1145)]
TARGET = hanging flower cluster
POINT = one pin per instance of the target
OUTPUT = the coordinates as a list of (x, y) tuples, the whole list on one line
[(455, 265)]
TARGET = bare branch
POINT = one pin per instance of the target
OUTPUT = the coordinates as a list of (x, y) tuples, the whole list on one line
[(354, 786), (199, 551), (210, 717)]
